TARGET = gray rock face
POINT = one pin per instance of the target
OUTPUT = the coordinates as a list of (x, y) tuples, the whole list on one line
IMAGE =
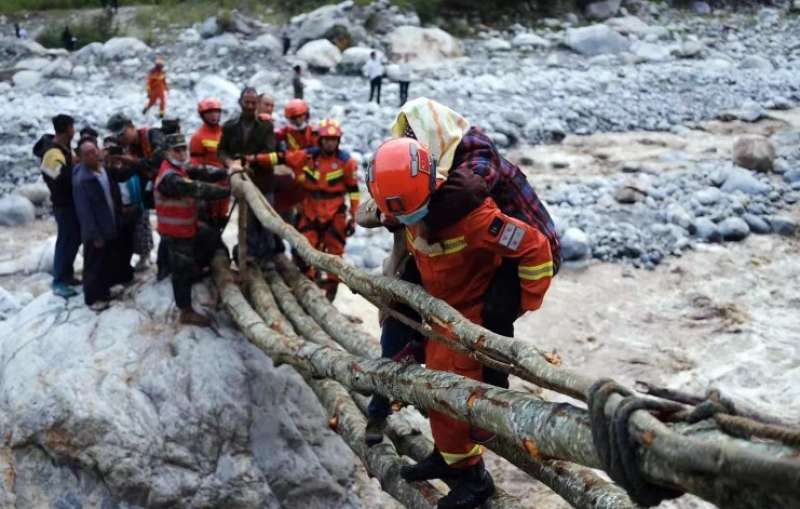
[(757, 224), (315, 24), (16, 210), (124, 407), (428, 46), (120, 48), (27, 79), (792, 176), (595, 40), (9, 305), (734, 228), (783, 225), (701, 8), (320, 54), (602, 10), (36, 192), (529, 41), (706, 230), (213, 86), (737, 179), (575, 245), (209, 28), (754, 153), (267, 42), (353, 60), (756, 63)]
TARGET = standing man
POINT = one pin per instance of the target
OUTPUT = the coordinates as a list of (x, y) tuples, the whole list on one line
[(190, 245), (404, 78), (97, 201), (68, 39), (298, 133), (328, 176), (297, 82), (251, 140), (203, 152), (287, 42), (55, 153), (157, 88), (374, 71), (457, 259), (16, 30)]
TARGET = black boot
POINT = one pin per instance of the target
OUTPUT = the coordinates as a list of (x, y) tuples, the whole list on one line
[(473, 486), (374, 432), (432, 467)]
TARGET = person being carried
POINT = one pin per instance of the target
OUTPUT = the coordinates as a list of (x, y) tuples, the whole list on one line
[(458, 250), (157, 88), (203, 151), (327, 175), (190, 245)]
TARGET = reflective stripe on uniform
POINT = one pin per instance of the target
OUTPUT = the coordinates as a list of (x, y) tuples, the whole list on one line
[(354, 196), (178, 221), (536, 272), (211, 144), (445, 247), (334, 175), (311, 173), (452, 458)]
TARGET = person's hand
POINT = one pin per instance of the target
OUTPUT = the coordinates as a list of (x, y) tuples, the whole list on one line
[(250, 159), (99, 243)]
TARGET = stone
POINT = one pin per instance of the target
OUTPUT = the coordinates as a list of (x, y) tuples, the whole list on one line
[(795, 7), (575, 244), (527, 40), (36, 192), (690, 49), (497, 44), (26, 79), (677, 215), (32, 64), (265, 80), (428, 47), (734, 229), (267, 42), (59, 88), (708, 196), (209, 28), (706, 230), (649, 52), (595, 40), (628, 194), (757, 224), (783, 225), (190, 35), (317, 23), (792, 176), (212, 85), (544, 130), (120, 48), (9, 305), (756, 63), (602, 10), (226, 40), (58, 68), (754, 153), (320, 54), (629, 25), (89, 52), (354, 58), (701, 8), (16, 210)]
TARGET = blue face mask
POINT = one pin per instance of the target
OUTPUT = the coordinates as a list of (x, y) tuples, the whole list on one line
[(414, 217)]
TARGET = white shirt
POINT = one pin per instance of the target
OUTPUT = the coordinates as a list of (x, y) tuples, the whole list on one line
[(403, 72), (373, 68)]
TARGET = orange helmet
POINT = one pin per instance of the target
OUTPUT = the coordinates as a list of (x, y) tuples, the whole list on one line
[(209, 104), (295, 107), (401, 178), (329, 128)]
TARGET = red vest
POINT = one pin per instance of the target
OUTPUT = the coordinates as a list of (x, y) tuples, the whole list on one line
[(177, 217)]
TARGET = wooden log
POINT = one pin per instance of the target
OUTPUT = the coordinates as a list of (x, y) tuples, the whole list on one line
[(747, 474)]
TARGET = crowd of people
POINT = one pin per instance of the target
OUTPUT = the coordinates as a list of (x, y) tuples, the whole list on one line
[(467, 225)]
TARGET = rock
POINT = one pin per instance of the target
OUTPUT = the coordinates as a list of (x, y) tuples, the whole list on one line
[(320, 54), (317, 23), (792, 176), (16, 210), (32, 64), (737, 179), (264, 80), (26, 79), (9, 305), (754, 153), (209, 28), (734, 229), (677, 215), (574, 245), (757, 224), (373, 257), (267, 42), (602, 10), (120, 48), (544, 130), (629, 194), (648, 52), (795, 7), (595, 40), (708, 196), (212, 85), (89, 52), (226, 40), (353, 60), (142, 413), (783, 225), (690, 49), (497, 44), (701, 8), (190, 35), (58, 68), (36, 192), (59, 88), (756, 63), (629, 25), (428, 46), (529, 40), (706, 230)]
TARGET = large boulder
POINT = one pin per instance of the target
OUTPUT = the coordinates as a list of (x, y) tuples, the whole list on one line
[(602, 10), (125, 409), (32, 64), (267, 42), (738, 179), (320, 54), (58, 68), (754, 153), (427, 46), (528, 40), (575, 245), (320, 22), (9, 305), (226, 40), (121, 48), (36, 192), (26, 79), (649, 52), (734, 229), (16, 210), (595, 40), (353, 60), (497, 44), (631, 25), (88, 53), (212, 85), (209, 28)]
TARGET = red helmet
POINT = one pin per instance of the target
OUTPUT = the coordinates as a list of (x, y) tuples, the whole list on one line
[(401, 178), (295, 107), (329, 128), (208, 104)]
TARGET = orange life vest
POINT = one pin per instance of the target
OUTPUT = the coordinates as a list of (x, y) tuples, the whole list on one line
[(177, 217)]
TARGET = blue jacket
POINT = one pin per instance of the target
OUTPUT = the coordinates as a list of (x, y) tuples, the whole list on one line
[(96, 219)]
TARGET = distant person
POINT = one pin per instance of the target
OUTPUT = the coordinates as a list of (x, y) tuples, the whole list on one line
[(23, 33), (297, 82), (16, 30), (55, 153), (287, 41), (266, 107), (404, 78), (157, 88), (68, 39), (374, 71)]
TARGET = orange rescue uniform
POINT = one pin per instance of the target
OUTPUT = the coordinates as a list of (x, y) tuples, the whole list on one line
[(457, 264), (157, 90), (203, 152), (290, 194)]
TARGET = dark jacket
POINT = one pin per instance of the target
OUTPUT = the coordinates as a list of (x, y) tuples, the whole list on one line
[(233, 145), (57, 177), (96, 218)]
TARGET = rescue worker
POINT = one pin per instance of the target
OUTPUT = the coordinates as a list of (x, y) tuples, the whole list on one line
[(457, 260), (190, 245), (327, 175), (251, 140), (298, 133), (203, 151), (157, 88)]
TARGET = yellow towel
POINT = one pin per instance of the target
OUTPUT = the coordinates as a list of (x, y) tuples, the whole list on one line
[(436, 126)]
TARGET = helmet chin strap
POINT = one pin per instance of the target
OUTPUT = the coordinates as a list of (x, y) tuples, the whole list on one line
[(175, 162)]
